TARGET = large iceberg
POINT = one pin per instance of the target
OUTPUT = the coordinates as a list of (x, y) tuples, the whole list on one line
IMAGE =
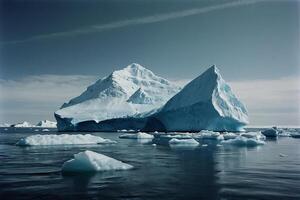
[(118, 101), (206, 103), (63, 139), (135, 98), (89, 161)]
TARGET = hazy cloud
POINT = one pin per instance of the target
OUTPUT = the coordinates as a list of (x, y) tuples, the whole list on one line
[(137, 21)]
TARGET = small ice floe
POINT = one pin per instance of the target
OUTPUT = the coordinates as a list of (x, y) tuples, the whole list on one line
[(45, 130), (204, 145), (270, 133), (243, 141), (211, 135), (295, 135), (63, 139), (139, 135), (155, 132), (185, 142), (284, 133), (228, 136), (254, 135), (177, 136), (219, 145), (89, 161), (36, 130), (154, 145), (282, 155)]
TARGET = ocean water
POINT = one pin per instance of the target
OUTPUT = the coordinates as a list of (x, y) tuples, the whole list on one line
[(271, 171)]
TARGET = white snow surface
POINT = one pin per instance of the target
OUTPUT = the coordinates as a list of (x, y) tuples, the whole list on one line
[(205, 134), (185, 142), (229, 135), (243, 141), (177, 136), (139, 135), (254, 135), (63, 139), (131, 91), (89, 161), (23, 125), (46, 124)]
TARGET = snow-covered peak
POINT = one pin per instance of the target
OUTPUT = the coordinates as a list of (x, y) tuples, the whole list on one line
[(126, 92), (124, 83)]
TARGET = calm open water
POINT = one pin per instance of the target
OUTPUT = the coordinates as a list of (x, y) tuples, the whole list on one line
[(212, 172)]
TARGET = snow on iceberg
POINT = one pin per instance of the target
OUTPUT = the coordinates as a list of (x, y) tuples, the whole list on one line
[(46, 124), (139, 135), (132, 91), (206, 103), (177, 136), (229, 135), (23, 125), (63, 139), (89, 161), (205, 134), (184, 142), (254, 135), (243, 141)]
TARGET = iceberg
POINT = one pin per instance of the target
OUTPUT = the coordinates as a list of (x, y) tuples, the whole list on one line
[(89, 161), (229, 135), (295, 135), (205, 134), (46, 124), (114, 102), (63, 139), (177, 136), (243, 141), (23, 125), (184, 142), (272, 132), (139, 135), (206, 103), (254, 135)]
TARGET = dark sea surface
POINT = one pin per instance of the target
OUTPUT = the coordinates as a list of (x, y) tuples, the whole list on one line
[(271, 171)]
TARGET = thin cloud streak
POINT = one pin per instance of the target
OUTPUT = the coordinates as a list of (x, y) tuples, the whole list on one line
[(137, 21)]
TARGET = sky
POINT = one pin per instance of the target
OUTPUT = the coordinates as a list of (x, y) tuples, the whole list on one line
[(50, 51)]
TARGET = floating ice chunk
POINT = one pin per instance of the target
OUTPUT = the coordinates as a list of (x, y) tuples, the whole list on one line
[(284, 134), (89, 161), (45, 130), (228, 136), (185, 142), (272, 132), (282, 155), (204, 145), (254, 135), (243, 141), (63, 139), (177, 136), (209, 135), (295, 135), (139, 135)]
